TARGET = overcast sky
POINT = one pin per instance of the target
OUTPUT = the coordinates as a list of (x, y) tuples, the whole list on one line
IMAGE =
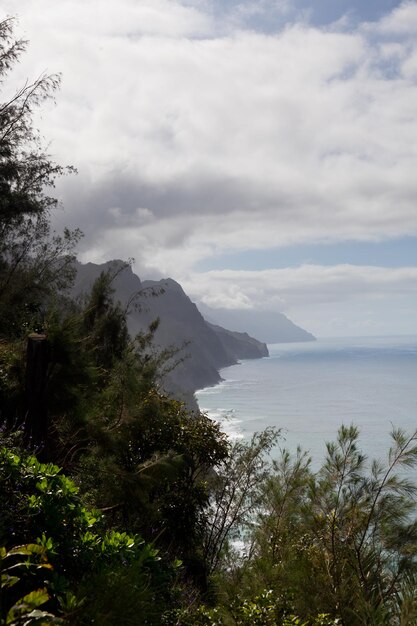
[(262, 152)]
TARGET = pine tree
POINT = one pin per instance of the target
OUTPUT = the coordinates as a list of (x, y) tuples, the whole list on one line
[(33, 261)]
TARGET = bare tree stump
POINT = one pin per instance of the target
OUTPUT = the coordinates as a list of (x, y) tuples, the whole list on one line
[(36, 419)]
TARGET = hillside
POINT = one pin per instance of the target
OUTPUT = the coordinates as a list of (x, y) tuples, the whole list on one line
[(204, 348)]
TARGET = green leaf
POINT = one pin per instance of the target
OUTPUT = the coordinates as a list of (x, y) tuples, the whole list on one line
[(27, 550), (8, 581), (25, 607), (36, 598)]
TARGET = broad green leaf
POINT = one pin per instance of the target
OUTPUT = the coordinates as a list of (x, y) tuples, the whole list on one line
[(8, 581), (27, 549), (36, 598)]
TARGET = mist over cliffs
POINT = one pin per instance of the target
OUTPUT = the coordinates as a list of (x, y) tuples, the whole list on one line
[(267, 326)]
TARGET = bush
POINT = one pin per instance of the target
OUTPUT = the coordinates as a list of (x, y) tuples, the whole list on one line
[(77, 560)]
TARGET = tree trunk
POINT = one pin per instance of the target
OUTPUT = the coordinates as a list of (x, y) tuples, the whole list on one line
[(36, 420)]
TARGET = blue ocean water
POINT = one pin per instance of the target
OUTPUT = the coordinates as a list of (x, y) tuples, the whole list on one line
[(309, 389)]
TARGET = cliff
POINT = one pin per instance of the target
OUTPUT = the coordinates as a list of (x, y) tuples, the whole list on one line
[(240, 345), (204, 348)]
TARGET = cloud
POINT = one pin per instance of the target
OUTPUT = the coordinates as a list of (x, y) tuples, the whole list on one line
[(104, 19), (401, 21), (194, 137), (335, 300), (284, 289), (252, 14)]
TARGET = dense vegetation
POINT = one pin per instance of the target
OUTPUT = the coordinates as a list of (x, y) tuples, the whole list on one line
[(118, 505)]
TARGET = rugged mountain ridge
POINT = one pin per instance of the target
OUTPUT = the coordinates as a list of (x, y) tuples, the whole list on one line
[(239, 345), (205, 348)]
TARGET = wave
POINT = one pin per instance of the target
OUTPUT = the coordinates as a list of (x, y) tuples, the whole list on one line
[(230, 424)]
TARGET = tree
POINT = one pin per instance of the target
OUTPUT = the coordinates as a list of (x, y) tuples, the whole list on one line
[(235, 495), (342, 541), (33, 261)]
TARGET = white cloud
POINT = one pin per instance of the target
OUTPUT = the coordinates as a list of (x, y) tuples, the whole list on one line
[(106, 19), (297, 130), (288, 288), (402, 20), (193, 138), (326, 300)]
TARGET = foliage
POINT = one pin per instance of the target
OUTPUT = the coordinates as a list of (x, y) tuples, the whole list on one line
[(163, 458), (105, 323), (341, 542), (263, 610), (12, 374), (71, 544), (25, 610), (235, 495), (108, 420)]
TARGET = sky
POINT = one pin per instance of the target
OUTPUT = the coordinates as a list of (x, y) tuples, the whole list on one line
[(262, 153)]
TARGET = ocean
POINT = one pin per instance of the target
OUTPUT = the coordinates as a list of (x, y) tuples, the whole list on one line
[(309, 389)]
